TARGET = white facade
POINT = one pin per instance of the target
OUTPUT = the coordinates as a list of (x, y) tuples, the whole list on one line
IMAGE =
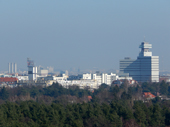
[(97, 78), (22, 77), (145, 68), (122, 78), (87, 76), (63, 78), (44, 73), (108, 79), (92, 84), (101, 78)]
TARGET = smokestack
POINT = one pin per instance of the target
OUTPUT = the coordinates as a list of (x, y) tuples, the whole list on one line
[(9, 68)]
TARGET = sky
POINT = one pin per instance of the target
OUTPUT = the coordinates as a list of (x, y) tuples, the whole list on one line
[(83, 34)]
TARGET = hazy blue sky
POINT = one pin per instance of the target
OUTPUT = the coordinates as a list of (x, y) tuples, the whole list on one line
[(82, 33)]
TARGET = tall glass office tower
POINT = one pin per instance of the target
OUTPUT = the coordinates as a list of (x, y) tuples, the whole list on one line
[(144, 68)]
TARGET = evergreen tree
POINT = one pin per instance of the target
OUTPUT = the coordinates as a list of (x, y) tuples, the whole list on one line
[(157, 118), (139, 114), (164, 88), (4, 94)]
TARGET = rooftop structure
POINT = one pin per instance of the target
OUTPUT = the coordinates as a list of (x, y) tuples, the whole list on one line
[(145, 46)]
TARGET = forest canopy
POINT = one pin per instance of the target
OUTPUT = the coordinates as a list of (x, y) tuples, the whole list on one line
[(110, 106)]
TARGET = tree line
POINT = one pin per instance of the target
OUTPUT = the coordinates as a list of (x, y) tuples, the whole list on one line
[(110, 106)]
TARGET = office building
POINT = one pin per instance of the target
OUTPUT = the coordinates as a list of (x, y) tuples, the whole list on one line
[(144, 68)]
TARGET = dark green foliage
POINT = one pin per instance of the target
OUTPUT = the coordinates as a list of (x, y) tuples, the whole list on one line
[(31, 113), (115, 114), (55, 91), (156, 100), (110, 106), (4, 94), (164, 88), (139, 113), (166, 113), (102, 87), (125, 96), (157, 118)]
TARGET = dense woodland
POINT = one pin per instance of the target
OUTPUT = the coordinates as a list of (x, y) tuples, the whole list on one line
[(110, 106)]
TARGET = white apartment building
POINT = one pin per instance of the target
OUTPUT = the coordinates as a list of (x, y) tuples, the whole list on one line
[(101, 78), (92, 84), (57, 78), (122, 78), (108, 79), (22, 77), (87, 76), (98, 78), (144, 68), (61, 79)]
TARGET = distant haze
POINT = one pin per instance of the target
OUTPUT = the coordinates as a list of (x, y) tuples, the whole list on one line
[(82, 33)]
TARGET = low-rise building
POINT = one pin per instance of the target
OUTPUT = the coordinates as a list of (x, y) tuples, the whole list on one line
[(8, 80), (91, 84), (75, 77), (148, 95), (98, 78), (101, 77), (119, 82), (22, 77)]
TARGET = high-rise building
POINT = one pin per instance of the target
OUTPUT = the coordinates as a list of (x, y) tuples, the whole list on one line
[(15, 67), (32, 70), (12, 68), (9, 68), (144, 68)]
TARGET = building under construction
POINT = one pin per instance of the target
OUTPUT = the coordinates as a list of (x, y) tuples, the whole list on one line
[(32, 70)]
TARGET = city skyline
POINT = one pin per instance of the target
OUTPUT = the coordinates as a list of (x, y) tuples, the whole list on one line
[(82, 34)]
